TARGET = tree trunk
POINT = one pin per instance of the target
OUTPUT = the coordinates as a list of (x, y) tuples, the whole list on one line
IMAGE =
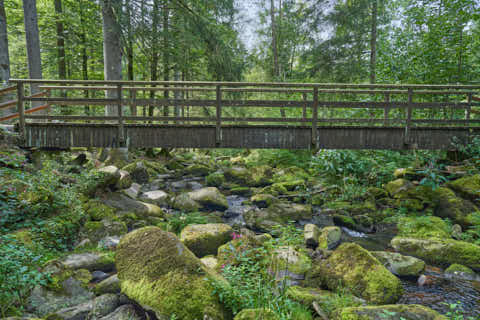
[(166, 54), (33, 45), (155, 53), (373, 42), (62, 70), (274, 40), (4, 57), (83, 39)]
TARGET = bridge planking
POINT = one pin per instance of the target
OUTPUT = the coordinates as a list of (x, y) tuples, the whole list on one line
[(306, 130)]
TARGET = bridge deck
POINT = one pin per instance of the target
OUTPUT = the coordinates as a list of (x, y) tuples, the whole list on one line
[(246, 115)]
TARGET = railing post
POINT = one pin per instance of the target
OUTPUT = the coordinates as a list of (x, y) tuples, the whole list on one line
[(409, 116), (315, 118), (21, 110), (469, 108), (218, 127), (386, 110), (304, 109), (121, 132)]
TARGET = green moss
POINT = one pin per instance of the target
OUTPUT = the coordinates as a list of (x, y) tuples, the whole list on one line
[(241, 191), (454, 268), (256, 314), (292, 260), (215, 179), (423, 227), (197, 170), (263, 200), (98, 211), (345, 221), (468, 187), (388, 312), (329, 237), (397, 188), (232, 252), (448, 205), (275, 189), (204, 239), (356, 269), (441, 252)]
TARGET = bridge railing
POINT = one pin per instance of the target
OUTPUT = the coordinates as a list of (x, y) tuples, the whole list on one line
[(222, 104)]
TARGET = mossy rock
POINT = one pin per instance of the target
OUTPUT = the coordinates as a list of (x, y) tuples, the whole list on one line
[(388, 312), (109, 285), (329, 237), (310, 234), (184, 203), (241, 191), (216, 179), (424, 227), (197, 170), (256, 314), (251, 177), (59, 273), (398, 187), (262, 200), (328, 301), (458, 268), (448, 205), (345, 221), (233, 251), (138, 172), (277, 213), (289, 264), (97, 230), (442, 252), (209, 198), (407, 173), (400, 265), (161, 274), (205, 239), (275, 189), (467, 187), (357, 270), (377, 193), (98, 211)]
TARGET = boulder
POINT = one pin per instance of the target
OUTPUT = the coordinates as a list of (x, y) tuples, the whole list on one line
[(467, 187), (400, 265), (125, 312), (161, 274), (311, 233), (458, 269), (210, 261), (157, 197), (215, 179), (197, 170), (205, 239), (448, 205), (109, 243), (125, 180), (388, 312), (138, 171), (184, 203), (277, 213), (329, 237), (109, 285), (97, 308), (251, 177), (209, 198), (256, 314), (396, 187), (97, 230), (125, 204), (133, 191), (290, 265), (441, 252), (90, 261), (425, 227), (263, 200), (109, 176), (356, 269)]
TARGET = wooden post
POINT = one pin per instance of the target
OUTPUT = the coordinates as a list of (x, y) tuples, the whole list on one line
[(469, 108), (21, 110), (304, 109), (315, 118), (409, 116), (386, 110), (133, 102), (218, 128), (121, 132)]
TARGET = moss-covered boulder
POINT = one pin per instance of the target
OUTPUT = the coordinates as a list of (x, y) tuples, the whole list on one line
[(233, 251), (205, 239), (424, 227), (97, 230), (157, 197), (289, 264), (125, 180), (123, 203), (90, 261), (356, 269), (98, 211), (388, 312), (263, 200), (277, 213), (252, 177), (459, 269), (448, 205), (400, 265), (161, 274), (109, 285), (197, 170), (210, 262), (398, 186), (209, 198), (329, 237), (215, 179), (310, 234), (241, 191), (256, 314), (467, 187), (184, 203), (441, 252)]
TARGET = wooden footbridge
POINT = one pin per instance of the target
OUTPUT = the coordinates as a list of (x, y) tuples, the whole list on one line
[(139, 114)]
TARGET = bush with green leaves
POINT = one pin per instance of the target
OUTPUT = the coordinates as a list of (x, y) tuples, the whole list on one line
[(178, 222)]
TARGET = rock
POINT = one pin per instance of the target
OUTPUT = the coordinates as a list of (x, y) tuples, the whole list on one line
[(97, 230), (83, 244), (89, 261), (467, 187), (241, 191), (125, 312), (110, 176), (251, 177), (133, 191), (457, 232), (357, 270), (109, 243), (256, 314), (109, 285), (215, 179), (184, 203), (194, 185), (263, 200), (99, 276), (400, 265), (157, 197), (197, 170), (425, 227), (407, 173), (99, 307), (126, 204), (161, 274), (125, 180), (329, 237), (210, 261), (458, 269), (448, 205), (290, 265), (440, 252), (209, 198), (138, 171), (205, 239), (232, 252), (388, 312), (311, 233), (395, 187), (277, 213)]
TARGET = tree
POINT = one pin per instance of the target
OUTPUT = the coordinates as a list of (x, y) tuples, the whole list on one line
[(62, 69), (4, 56)]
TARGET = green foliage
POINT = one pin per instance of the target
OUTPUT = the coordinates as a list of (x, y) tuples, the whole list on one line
[(433, 178), (176, 223), (455, 312)]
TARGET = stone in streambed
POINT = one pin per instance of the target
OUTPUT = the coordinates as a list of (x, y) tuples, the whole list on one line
[(209, 198), (400, 265), (388, 312), (311, 233), (205, 239), (329, 237)]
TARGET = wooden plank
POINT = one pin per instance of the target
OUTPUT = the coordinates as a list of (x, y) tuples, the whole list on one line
[(386, 110), (75, 101), (218, 127), (21, 110), (32, 110), (7, 90), (7, 104), (77, 87), (75, 118), (121, 133), (315, 118), (193, 119), (409, 116)]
